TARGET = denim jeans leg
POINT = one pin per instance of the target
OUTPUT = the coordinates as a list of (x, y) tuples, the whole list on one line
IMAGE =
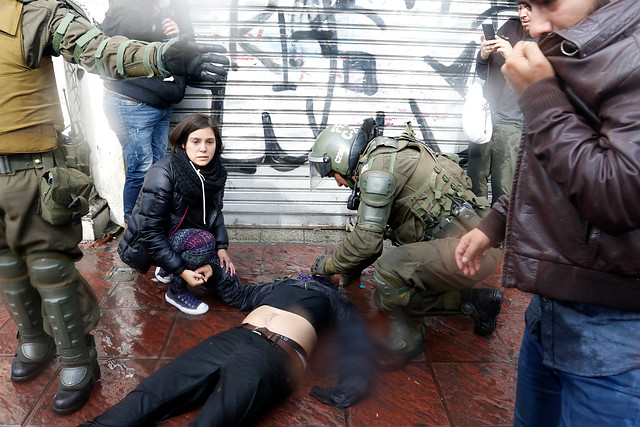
[(160, 137), (134, 123), (549, 397), (601, 401), (538, 389)]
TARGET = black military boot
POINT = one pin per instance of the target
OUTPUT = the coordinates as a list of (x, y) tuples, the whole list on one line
[(32, 357), (483, 305), (76, 381), (23, 303)]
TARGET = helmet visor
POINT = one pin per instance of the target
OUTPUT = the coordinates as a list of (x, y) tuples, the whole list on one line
[(319, 167)]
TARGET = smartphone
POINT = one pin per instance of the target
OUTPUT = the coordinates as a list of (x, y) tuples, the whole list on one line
[(489, 31)]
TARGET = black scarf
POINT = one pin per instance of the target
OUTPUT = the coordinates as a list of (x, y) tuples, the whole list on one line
[(187, 181)]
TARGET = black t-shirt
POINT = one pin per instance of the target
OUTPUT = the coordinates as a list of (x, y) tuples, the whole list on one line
[(308, 303)]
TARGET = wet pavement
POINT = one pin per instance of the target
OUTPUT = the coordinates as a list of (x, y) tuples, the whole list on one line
[(460, 380)]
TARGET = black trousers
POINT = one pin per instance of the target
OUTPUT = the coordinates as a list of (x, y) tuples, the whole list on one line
[(236, 375)]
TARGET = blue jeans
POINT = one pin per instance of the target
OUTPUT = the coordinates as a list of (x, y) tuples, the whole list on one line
[(549, 397), (143, 132)]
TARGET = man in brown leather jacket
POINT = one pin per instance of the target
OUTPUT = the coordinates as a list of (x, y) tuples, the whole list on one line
[(52, 304), (572, 221)]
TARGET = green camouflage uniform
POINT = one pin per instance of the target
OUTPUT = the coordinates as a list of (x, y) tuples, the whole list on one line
[(420, 274)]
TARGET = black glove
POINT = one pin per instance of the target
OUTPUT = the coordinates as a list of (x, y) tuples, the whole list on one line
[(320, 266), (185, 57)]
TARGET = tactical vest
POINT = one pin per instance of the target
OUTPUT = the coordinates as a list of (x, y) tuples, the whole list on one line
[(30, 113), (434, 189)]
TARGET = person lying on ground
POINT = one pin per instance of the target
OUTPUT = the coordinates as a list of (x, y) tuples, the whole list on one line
[(238, 374)]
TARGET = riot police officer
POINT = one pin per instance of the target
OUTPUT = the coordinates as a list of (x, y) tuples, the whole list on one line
[(52, 304), (421, 201)]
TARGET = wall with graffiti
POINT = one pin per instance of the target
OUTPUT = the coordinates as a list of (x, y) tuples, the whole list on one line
[(301, 65)]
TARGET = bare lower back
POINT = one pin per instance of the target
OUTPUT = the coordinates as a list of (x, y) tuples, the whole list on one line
[(285, 323)]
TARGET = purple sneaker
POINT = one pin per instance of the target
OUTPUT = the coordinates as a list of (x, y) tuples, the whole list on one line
[(185, 301)]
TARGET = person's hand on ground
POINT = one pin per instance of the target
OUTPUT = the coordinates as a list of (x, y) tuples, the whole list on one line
[(225, 262)]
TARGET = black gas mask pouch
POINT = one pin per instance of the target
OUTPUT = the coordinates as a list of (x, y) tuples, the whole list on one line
[(354, 199)]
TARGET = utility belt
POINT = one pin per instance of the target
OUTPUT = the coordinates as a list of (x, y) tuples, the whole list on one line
[(63, 189), (12, 163), (293, 349)]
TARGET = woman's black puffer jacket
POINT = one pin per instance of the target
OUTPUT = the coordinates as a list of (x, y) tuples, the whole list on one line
[(158, 212)]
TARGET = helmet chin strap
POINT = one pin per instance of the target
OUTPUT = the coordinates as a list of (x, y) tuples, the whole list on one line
[(354, 198), (350, 181)]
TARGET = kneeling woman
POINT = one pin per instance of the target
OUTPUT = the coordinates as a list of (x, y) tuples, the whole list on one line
[(177, 222), (238, 374)]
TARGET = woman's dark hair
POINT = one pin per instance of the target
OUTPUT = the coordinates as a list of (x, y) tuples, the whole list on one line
[(191, 123)]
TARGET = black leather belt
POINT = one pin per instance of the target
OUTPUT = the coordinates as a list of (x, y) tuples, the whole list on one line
[(292, 348)]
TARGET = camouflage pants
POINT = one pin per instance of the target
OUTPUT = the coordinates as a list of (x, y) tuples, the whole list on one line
[(24, 234), (497, 159), (426, 276)]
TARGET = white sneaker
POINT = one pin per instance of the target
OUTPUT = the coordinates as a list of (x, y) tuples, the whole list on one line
[(160, 276), (186, 302)]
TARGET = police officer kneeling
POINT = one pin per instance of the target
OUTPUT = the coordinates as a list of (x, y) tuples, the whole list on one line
[(421, 201)]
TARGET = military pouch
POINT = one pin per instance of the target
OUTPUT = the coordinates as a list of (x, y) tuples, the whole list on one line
[(449, 226), (64, 195), (467, 217)]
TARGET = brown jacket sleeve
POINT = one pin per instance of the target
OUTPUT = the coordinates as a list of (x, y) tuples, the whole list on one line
[(596, 170)]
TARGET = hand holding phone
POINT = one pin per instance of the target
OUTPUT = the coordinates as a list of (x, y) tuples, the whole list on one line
[(489, 31)]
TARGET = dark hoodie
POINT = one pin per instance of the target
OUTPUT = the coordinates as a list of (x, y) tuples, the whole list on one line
[(142, 20)]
